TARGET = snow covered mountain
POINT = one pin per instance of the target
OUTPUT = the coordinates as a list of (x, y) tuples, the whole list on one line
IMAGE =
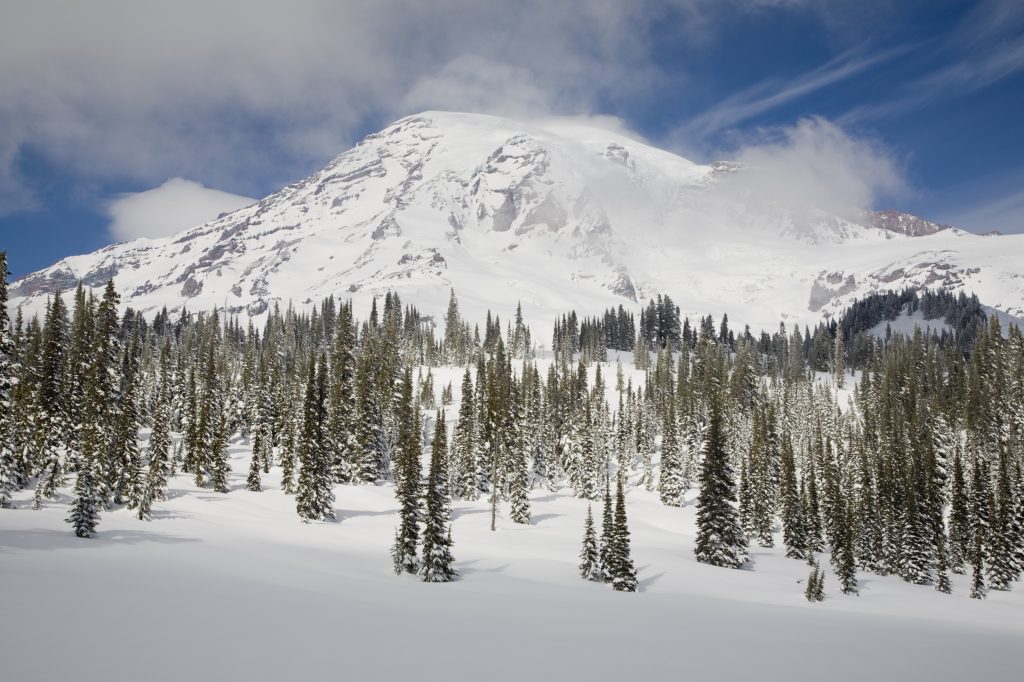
[(556, 214)]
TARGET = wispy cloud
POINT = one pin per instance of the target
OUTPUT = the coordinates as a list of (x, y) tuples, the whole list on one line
[(772, 93), (1004, 213), (985, 48), (994, 201)]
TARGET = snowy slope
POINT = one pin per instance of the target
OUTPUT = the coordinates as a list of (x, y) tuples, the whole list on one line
[(234, 586), (556, 214)]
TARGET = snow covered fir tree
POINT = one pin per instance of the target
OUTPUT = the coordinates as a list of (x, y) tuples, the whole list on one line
[(900, 454)]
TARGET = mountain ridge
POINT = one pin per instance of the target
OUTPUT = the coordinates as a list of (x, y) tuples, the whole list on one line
[(555, 214)]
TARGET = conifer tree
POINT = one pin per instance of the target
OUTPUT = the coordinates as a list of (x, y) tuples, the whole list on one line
[(8, 466), (720, 540), (159, 446), (371, 450), (815, 590), (253, 482), (942, 582), (314, 497), (978, 589), (792, 507), (342, 417), (464, 464), (516, 470), (144, 508), (846, 570), (407, 481), (438, 563), (590, 557), (51, 433), (84, 512), (670, 482), (607, 533), (621, 572), (217, 463)]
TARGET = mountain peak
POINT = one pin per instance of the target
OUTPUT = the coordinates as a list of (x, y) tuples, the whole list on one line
[(555, 214)]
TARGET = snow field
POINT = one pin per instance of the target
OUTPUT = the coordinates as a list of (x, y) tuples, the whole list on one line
[(234, 586)]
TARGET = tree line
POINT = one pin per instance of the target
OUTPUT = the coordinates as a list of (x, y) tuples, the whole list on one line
[(914, 468)]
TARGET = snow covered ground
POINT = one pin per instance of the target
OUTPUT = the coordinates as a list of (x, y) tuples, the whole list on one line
[(234, 586)]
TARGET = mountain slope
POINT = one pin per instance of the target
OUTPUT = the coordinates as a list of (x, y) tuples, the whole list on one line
[(556, 214)]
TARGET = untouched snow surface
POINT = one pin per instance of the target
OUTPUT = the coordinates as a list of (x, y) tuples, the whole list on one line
[(234, 586)]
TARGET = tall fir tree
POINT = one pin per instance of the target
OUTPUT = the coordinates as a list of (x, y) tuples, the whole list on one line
[(720, 539), (407, 481), (621, 572), (314, 496), (438, 562)]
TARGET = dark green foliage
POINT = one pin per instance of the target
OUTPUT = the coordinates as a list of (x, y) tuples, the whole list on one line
[(438, 562), (407, 481), (590, 557), (815, 590), (84, 514), (620, 571), (607, 533), (720, 540), (314, 497), (932, 435)]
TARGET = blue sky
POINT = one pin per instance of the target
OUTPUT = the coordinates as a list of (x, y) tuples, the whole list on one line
[(118, 120)]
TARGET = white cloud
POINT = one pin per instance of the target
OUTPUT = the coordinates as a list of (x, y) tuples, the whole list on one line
[(816, 163), (224, 92), (176, 205)]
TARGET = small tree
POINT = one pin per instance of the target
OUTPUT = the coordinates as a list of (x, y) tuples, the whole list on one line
[(815, 590), (590, 557), (84, 514)]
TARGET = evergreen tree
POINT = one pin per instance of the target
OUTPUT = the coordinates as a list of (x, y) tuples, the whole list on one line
[(670, 482), (720, 540), (590, 558), (253, 482), (607, 533), (407, 481), (517, 471), (942, 582), (792, 508), (815, 590), (84, 512), (846, 570), (978, 589), (621, 572), (464, 464), (159, 446), (438, 562), (52, 429), (371, 454), (8, 465), (314, 497)]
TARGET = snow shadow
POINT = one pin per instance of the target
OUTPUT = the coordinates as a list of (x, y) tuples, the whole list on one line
[(468, 567), (646, 582), (342, 514), (459, 513), (536, 519), (45, 539)]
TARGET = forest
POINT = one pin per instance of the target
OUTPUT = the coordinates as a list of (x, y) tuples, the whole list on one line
[(889, 453)]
